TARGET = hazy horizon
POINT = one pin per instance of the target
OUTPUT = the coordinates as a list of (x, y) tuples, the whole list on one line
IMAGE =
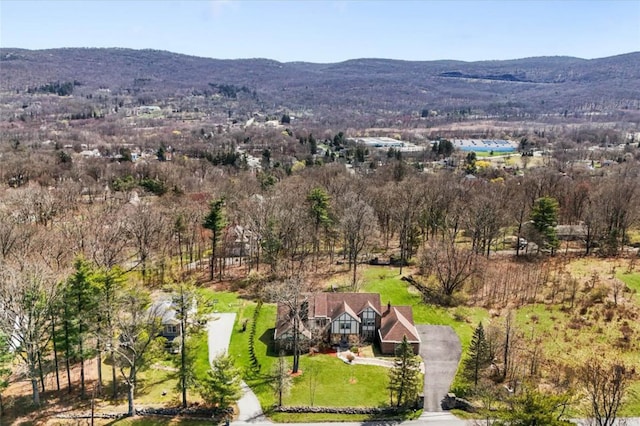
[(330, 31), (311, 62)]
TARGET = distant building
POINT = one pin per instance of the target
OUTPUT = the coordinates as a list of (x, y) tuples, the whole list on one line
[(485, 145), (571, 232), (379, 142), (383, 142), (147, 109)]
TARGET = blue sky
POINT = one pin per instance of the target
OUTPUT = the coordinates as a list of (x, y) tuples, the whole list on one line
[(330, 31)]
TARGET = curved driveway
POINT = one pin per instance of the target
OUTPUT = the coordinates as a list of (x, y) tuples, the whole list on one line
[(440, 350), (219, 330)]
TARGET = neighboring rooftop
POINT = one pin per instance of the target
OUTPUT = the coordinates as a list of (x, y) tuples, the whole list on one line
[(384, 142), (495, 145)]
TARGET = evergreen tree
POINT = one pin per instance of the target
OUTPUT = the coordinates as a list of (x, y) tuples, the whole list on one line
[(544, 218), (534, 408), (313, 145), (318, 200), (443, 148), (470, 163), (404, 377), (162, 153), (110, 285), (478, 357), (215, 221), (221, 386), (81, 295)]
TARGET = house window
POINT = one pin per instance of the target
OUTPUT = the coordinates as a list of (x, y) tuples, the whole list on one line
[(370, 322), (171, 329), (345, 326)]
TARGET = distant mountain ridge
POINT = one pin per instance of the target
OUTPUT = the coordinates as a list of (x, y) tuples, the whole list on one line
[(529, 85)]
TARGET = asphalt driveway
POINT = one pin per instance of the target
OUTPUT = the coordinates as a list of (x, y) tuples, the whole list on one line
[(440, 350), (219, 329)]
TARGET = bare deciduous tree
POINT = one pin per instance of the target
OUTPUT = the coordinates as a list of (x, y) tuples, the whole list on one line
[(451, 264), (138, 328), (358, 225), (25, 301), (145, 226), (606, 383), (293, 295)]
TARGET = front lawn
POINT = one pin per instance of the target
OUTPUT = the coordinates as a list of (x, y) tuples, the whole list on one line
[(338, 384)]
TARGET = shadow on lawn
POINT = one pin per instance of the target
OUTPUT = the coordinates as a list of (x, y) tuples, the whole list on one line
[(267, 339), (52, 401)]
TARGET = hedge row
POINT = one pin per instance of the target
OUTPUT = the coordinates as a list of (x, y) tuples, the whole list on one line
[(255, 365)]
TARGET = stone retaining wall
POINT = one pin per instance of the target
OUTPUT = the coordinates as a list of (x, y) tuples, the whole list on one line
[(339, 410)]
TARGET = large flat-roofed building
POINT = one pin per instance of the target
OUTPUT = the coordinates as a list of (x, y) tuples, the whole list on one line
[(484, 145), (383, 142), (380, 142)]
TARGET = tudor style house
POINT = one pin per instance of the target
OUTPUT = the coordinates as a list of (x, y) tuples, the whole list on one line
[(345, 318)]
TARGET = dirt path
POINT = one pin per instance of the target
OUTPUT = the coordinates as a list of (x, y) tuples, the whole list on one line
[(440, 349)]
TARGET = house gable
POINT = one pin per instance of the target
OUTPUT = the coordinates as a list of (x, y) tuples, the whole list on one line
[(397, 323), (345, 323)]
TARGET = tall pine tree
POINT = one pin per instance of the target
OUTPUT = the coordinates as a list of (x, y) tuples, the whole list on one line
[(404, 377), (215, 221), (478, 358), (81, 295), (544, 218)]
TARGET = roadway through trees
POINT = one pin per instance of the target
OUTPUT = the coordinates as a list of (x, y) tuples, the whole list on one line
[(440, 350)]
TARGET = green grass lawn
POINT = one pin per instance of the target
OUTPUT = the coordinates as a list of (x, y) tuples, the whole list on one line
[(387, 282), (152, 383), (631, 406), (484, 154), (338, 384), (632, 281), (317, 417), (328, 417)]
